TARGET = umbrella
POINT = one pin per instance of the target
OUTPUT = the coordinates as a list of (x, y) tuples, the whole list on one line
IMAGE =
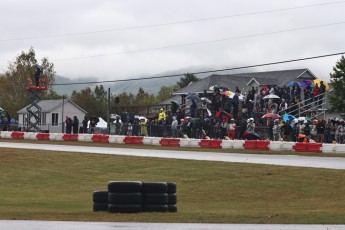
[(318, 82), (175, 103), (288, 117), (306, 83), (220, 87), (227, 93), (251, 136), (304, 119), (240, 96), (205, 99), (193, 96), (271, 96), (294, 83), (271, 115)]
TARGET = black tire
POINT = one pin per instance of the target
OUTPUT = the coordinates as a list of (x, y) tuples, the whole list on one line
[(172, 199), (155, 187), (100, 207), (156, 199), (171, 187), (125, 186), (100, 196), (172, 208), (125, 198), (156, 208), (122, 208)]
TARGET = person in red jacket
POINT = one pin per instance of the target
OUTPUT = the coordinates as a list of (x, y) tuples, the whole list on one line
[(316, 93)]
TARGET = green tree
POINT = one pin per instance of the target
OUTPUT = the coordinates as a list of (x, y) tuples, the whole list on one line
[(337, 95), (13, 93), (165, 92), (187, 79)]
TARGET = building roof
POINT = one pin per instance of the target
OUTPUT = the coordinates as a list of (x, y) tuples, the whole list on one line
[(50, 105), (242, 80)]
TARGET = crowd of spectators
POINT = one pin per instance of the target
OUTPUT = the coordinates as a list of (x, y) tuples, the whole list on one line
[(219, 115)]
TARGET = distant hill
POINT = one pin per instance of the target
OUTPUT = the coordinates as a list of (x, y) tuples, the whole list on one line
[(151, 86)]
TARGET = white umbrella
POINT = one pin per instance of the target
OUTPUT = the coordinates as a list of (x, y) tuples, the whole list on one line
[(240, 96), (271, 96), (206, 100)]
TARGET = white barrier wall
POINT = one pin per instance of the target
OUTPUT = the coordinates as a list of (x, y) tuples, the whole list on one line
[(192, 143)]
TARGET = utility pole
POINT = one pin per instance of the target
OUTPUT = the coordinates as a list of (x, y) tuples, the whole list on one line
[(108, 120)]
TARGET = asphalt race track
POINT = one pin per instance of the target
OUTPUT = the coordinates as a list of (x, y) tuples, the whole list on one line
[(283, 160)]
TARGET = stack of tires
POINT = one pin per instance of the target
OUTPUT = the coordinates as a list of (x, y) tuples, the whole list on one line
[(136, 196), (125, 196), (155, 196), (100, 201), (172, 198)]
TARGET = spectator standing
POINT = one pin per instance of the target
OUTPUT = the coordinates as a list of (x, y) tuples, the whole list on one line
[(276, 131), (92, 125), (174, 126), (287, 131), (75, 125), (232, 129), (322, 92), (320, 127), (143, 127), (69, 124), (84, 123)]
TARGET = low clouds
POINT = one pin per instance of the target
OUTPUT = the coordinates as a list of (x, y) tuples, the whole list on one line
[(128, 53)]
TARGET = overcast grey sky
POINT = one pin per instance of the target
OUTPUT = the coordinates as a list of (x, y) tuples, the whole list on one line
[(119, 39)]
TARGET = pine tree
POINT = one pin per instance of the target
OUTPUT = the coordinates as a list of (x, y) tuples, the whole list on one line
[(337, 95)]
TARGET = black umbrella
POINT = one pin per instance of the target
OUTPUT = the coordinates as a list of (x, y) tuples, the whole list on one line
[(193, 96), (251, 136), (175, 103)]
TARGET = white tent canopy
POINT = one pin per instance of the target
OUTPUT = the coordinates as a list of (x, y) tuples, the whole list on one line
[(101, 123)]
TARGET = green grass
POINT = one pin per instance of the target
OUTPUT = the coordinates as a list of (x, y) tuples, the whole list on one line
[(47, 185)]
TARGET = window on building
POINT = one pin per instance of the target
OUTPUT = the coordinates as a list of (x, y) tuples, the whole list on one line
[(43, 118), (55, 119)]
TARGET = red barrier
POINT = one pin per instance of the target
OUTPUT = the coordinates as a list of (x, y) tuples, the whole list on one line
[(250, 144), (42, 136), (105, 138), (96, 137), (70, 137), (262, 145), (136, 140), (171, 142), (17, 135), (216, 144), (300, 147), (314, 147)]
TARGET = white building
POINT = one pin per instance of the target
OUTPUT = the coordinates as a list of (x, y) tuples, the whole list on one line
[(53, 114)]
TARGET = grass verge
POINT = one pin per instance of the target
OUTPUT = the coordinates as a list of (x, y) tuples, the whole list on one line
[(47, 185)]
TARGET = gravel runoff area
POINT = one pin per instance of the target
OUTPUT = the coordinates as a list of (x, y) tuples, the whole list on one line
[(290, 160)]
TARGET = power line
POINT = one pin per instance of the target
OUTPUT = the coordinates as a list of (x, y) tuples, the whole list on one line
[(200, 43), (209, 71), (167, 24)]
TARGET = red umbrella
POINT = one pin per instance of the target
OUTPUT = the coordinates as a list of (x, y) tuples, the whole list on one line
[(271, 115)]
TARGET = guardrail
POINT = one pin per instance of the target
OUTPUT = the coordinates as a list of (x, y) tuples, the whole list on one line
[(180, 142)]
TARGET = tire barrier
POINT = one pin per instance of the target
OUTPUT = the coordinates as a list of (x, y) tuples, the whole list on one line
[(100, 201), (136, 196), (172, 198), (177, 142)]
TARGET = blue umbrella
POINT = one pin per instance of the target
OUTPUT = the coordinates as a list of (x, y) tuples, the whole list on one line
[(288, 117), (294, 83), (193, 96)]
